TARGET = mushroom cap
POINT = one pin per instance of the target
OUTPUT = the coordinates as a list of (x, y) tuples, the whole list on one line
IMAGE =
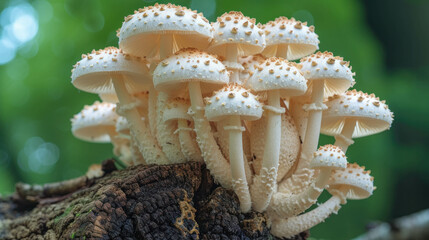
[(372, 115), (233, 100), (122, 126), (355, 179), (235, 28), (94, 72), (95, 122), (335, 71), (189, 29), (300, 39), (329, 156), (109, 97), (278, 74), (250, 63), (177, 108), (188, 65)]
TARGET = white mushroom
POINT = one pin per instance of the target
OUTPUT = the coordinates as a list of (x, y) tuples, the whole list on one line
[(352, 182), (289, 39), (233, 103), (236, 35), (277, 78), (327, 75), (201, 73), (355, 114), (110, 70)]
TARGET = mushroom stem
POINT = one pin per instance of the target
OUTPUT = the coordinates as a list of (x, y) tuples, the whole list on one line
[(343, 140), (282, 51), (168, 141), (215, 161), (239, 182), (137, 156), (188, 145), (292, 226), (146, 142), (264, 183), (312, 132), (284, 205), (232, 56), (152, 110), (167, 46)]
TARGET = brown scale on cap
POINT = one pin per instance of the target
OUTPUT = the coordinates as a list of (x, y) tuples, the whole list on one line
[(326, 54), (228, 16)]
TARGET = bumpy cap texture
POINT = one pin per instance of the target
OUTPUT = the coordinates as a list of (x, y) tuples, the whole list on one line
[(372, 115), (235, 28), (300, 39), (95, 71), (278, 74), (329, 156), (140, 33), (172, 74), (95, 122), (233, 100)]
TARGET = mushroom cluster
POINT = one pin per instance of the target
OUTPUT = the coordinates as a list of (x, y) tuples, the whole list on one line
[(250, 113)]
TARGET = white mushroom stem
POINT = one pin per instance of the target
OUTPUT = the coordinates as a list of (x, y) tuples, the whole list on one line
[(152, 110), (222, 139), (344, 140), (239, 182), (312, 133), (232, 56), (264, 184), (292, 226), (188, 145), (146, 142), (285, 205), (215, 162), (136, 155), (168, 141)]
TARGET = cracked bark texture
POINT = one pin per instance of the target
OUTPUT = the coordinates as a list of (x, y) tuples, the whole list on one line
[(178, 201)]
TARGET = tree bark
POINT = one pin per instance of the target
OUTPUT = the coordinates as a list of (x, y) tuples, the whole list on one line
[(178, 201)]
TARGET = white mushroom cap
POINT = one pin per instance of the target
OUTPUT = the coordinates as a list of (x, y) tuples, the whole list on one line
[(335, 71), (177, 108), (95, 122), (235, 28), (250, 64), (109, 97), (372, 115), (278, 74), (300, 38), (329, 156), (355, 179), (189, 28), (187, 65), (233, 100), (94, 72), (122, 126)]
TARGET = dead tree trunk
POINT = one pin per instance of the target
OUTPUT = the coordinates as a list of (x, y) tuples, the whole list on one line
[(143, 202)]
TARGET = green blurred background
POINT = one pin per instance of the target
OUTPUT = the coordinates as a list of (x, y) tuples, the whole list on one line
[(386, 42)]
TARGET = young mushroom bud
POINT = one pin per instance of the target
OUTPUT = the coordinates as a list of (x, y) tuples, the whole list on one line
[(289, 39)]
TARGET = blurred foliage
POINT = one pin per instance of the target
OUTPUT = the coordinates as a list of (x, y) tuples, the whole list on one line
[(385, 43)]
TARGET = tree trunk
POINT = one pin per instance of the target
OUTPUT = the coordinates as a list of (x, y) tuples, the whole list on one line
[(178, 201)]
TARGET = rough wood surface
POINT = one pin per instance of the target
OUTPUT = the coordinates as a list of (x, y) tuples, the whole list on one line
[(142, 202)]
